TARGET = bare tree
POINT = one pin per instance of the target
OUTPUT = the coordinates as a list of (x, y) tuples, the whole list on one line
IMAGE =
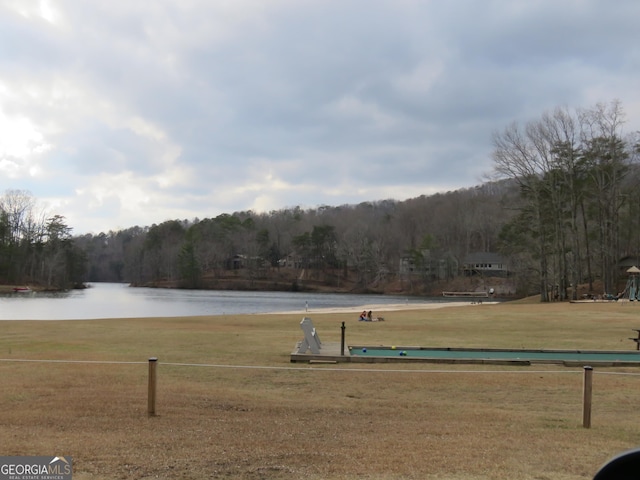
[(518, 157), (606, 155)]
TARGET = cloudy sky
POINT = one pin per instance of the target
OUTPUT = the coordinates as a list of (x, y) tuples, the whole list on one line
[(115, 113)]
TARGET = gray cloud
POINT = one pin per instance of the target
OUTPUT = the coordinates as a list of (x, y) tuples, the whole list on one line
[(121, 114)]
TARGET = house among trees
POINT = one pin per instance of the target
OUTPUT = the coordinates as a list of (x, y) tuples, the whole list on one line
[(291, 260), (240, 261), (485, 263), (237, 262)]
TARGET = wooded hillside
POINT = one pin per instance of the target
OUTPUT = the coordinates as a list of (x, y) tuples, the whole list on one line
[(560, 210)]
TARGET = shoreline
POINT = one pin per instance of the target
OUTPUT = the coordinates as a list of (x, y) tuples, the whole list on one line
[(380, 307)]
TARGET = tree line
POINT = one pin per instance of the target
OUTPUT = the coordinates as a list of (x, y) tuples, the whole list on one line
[(35, 247), (365, 242), (578, 211), (560, 206)]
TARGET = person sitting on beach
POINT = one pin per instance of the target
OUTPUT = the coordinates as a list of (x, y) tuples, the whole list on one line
[(368, 317)]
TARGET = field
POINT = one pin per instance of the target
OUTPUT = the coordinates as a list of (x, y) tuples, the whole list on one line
[(230, 405)]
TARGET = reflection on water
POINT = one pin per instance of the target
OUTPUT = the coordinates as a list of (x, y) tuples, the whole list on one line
[(112, 300)]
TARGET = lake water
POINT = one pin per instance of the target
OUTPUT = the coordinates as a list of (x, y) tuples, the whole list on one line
[(114, 300)]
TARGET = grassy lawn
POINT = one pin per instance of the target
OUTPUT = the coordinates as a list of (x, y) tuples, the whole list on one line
[(236, 407)]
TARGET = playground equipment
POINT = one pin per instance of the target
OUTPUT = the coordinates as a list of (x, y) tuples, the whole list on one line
[(632, 290)]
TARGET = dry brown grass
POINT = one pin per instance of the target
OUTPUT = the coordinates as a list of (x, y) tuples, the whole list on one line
[(318, 422)]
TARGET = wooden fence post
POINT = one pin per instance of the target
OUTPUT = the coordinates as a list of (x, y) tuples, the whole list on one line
[(586, 396), (151, 399)]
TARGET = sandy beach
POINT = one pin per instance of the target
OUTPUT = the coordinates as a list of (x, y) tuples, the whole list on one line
[(381, 308)]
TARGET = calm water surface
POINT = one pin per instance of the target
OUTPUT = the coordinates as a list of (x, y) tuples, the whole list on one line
[(114, 300)]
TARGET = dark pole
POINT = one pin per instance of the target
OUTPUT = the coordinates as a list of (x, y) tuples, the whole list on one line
[(587, 395), (151, 400), (343, 328)]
